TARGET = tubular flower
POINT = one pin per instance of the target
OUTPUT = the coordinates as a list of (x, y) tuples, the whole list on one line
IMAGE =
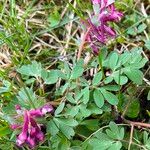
[(100, 32), (31, 132)]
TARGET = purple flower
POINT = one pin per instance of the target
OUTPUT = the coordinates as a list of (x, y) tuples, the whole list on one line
[(23, 135), (31, 141), (36, 131), (100, 32), (31, 132), (96, 1), (41, 111)]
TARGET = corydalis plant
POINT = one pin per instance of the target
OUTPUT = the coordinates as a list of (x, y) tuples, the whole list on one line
[(99, 29), (31, 132)]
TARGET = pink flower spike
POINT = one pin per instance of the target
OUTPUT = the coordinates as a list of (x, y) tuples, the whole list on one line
[(46, 109), (17, 107), (36, 113), (117, 15), (31, 142), (23, 135), (110, 31), (100, 31), (41, 111), (39, 134)]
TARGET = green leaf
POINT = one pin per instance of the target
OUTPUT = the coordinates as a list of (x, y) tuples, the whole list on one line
[(147, 44), (72, 111), (65, 126), (116, 146), (77, 70), (67, 70), (67, 130), (78, 95), (111, 98), (132, 31), (59, 108), (4, 131), (146, 140), (97, 78), (54, 18), (6, 86), (125, 57), (103, 142), (133, 109), (26, 97), (94, 109), (139, 64), (98, 98), (52, 128), (113, 59), (62, 75), (120, 79), (64, 144), (145, 136), (115, 132), (33, 69), (111, 87), (84, 112), (86, 95), (108, 79), (64, 87), (70, 98), (92, 124), (134, 75), (142, 27), (49, 77), (69, 122)]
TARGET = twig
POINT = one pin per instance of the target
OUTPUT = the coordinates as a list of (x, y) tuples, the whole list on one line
[(83, 38), (138, 124), (131, 136)]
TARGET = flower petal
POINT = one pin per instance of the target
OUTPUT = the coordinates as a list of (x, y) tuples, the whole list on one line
[(23, 135)]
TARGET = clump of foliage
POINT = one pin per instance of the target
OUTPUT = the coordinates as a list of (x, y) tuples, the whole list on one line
[(74, 79)]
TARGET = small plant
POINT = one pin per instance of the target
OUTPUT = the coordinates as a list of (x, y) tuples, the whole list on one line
[(84, 85)]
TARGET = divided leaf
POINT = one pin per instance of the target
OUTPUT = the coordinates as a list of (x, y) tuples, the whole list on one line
[(59, 108), (134, 75), (113, 59), (77, 70), (33, 69), (111, 98), (97, 78), (49, 77), (98, 98), (115, 132)]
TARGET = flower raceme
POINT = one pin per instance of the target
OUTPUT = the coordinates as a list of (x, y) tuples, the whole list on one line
[(31, 132), (100, 31)]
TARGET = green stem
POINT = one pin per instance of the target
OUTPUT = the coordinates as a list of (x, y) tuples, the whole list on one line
[(100, 64), (119, 93)]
